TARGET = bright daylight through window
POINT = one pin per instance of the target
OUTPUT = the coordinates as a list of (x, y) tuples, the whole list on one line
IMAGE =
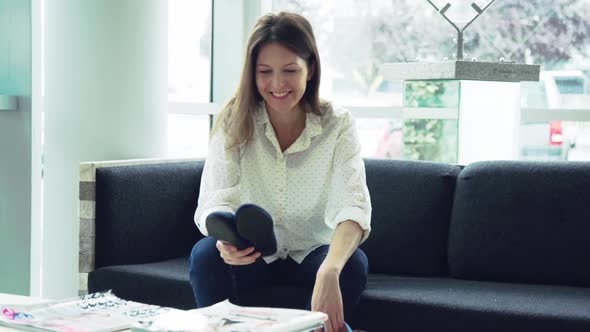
[(189, 75), (355, 37)]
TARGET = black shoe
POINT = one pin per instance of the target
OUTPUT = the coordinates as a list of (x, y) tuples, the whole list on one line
[(222, 226), (255, 225)]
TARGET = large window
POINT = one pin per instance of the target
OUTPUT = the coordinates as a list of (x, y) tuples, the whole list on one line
[(189, 50), (189, 77), (356, 36)]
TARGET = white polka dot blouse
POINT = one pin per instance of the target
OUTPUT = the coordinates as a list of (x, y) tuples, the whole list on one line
[(308, 189)]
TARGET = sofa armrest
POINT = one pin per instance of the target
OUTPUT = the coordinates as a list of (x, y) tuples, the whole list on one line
[(87, 210)]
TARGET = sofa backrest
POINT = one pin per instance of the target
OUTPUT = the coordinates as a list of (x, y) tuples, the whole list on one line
[(522, 222), (144, 213), (412, 202)]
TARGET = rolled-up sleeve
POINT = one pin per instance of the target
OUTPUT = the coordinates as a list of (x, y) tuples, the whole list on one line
[(349, 196), (220, 181)]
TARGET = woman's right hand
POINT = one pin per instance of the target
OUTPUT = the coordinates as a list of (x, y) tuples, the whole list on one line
[(232, 256)]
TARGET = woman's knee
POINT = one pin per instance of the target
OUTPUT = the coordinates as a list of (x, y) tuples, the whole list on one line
[(204, 252), (356, 269)]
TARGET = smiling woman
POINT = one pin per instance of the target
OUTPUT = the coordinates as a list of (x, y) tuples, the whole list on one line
[(279, 150), (284, 35), (281, 77), (281, 80)]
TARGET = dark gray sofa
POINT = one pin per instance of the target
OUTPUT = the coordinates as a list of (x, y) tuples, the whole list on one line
[(494, 246)]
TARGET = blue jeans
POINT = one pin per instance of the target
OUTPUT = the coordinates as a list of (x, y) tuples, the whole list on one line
[(213, 280)]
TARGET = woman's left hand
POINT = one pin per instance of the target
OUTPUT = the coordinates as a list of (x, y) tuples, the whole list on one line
[(327, 298)]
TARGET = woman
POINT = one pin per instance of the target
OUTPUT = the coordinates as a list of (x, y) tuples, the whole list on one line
[(277, 145)]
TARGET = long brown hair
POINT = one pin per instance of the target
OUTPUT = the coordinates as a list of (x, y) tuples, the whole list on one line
[(292, 31)]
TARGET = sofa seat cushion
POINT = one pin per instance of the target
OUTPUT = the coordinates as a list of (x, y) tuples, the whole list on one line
[(389, 303), (395, 303), (163, 283)]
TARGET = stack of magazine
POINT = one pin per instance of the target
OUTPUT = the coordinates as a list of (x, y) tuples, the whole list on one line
[(103, 312)]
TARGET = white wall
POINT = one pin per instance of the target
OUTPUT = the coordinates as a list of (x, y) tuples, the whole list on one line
[(15, 147), (105, 99)]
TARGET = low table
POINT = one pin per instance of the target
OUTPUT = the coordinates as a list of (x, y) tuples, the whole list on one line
[(23, 300), (20, 299), (16, 299)]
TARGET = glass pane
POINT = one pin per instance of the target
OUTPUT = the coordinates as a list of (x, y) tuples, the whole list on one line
[(430, 139), (555, 140), (432, 94), (419, 139), (555, 34), (567, 89), (579, 147), (380, 138), (188, 135), (460, 12), (356, 37), (189, 50)]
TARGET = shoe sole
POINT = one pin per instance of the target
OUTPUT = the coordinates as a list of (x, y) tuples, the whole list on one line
[(255, 225), (224, 230)]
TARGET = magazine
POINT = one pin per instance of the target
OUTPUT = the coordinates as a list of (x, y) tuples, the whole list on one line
[(97, 312), (104, 312), (225, 317)]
